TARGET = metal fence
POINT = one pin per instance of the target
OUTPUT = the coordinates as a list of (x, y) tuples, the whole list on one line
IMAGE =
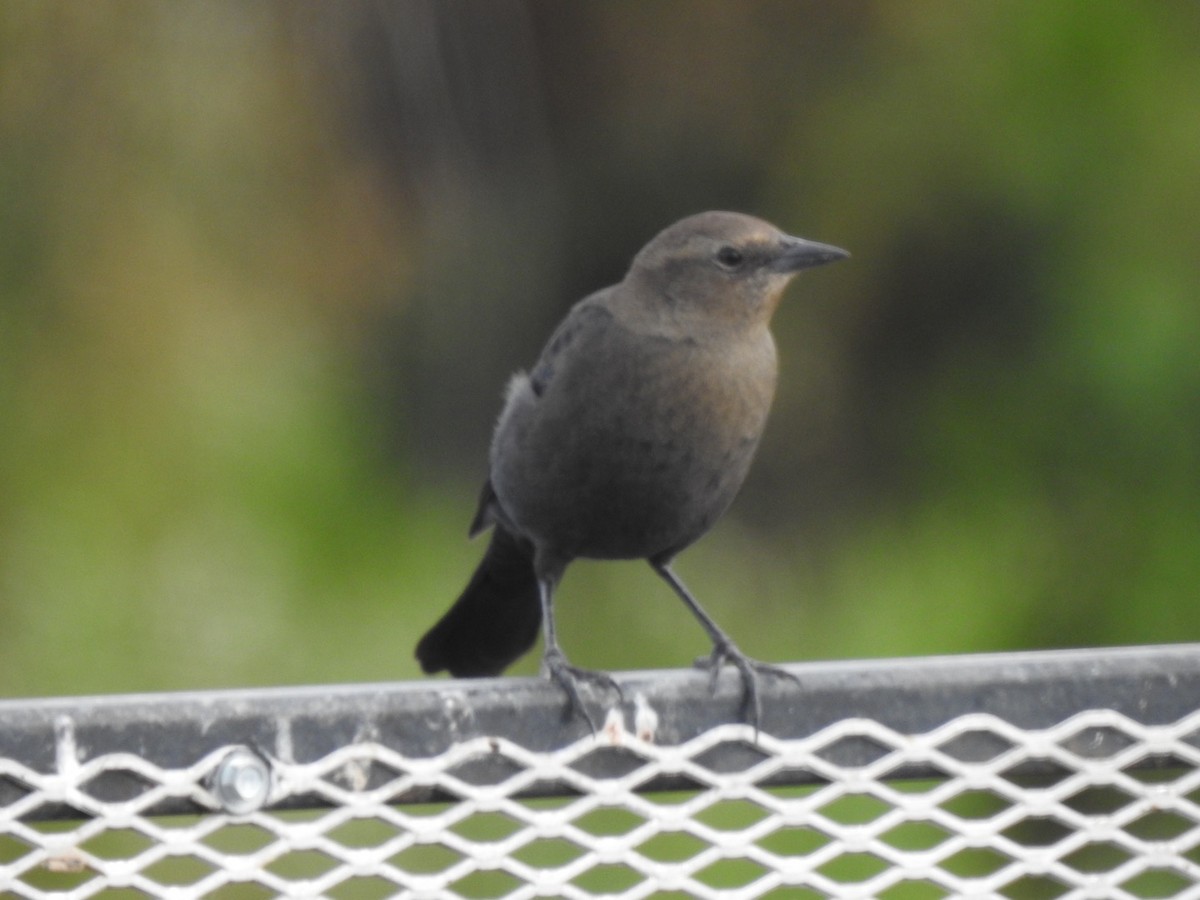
[(1061, 774)]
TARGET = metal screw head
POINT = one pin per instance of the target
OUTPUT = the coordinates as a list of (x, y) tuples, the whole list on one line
[(242, 781)]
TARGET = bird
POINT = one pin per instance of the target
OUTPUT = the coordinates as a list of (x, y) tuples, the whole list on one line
[(628, 439)]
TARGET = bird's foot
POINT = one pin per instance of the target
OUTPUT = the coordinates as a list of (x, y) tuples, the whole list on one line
[(569, 677), (750, 669)]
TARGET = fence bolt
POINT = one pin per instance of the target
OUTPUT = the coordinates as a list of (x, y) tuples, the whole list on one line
[(242, 781)]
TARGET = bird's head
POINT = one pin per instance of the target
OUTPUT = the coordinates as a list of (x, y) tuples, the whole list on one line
[(723, 266)]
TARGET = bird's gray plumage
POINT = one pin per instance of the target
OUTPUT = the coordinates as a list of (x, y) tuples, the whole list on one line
[(629, 436)]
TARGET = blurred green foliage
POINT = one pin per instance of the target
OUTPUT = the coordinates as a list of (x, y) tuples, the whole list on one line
[(264, 269)]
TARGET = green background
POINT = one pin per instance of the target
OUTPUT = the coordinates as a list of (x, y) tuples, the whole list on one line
[(264, 269)]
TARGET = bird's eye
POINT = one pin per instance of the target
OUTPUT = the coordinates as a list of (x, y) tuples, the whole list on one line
[(730, 257)]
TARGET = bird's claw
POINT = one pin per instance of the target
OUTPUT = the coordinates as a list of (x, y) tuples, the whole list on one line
[(568, 677), (750, 669)]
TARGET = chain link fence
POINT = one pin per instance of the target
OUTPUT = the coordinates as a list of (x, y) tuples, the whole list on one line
[(1065, 774)]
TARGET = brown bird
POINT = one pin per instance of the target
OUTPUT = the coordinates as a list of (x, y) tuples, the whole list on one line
[(627, 440)]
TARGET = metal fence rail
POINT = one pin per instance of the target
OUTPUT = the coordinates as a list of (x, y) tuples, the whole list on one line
[(1057, 774)]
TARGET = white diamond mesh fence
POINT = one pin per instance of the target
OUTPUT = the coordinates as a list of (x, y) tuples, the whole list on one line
[(1097, 804)]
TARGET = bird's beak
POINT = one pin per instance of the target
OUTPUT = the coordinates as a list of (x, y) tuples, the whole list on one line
[(797, 253)]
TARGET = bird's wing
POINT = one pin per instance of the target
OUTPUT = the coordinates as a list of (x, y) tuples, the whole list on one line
[(485, 511), (585, 319), (587, 322)]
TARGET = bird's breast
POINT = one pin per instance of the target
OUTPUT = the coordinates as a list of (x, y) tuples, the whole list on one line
[(637, 448)]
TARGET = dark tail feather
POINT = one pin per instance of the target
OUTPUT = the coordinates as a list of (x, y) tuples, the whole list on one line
[(495, 621)]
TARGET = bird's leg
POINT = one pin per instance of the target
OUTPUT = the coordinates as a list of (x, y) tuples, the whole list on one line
[(725, 650), (555, 665)]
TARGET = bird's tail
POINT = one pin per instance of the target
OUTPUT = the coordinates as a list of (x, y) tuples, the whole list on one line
[(494, 621)]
